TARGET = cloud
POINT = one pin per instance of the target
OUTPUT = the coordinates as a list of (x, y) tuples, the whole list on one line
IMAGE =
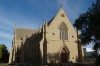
[(7, 22), (6, 35), (15, 18)]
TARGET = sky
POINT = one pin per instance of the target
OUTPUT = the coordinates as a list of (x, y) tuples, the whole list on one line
[(31, 13)]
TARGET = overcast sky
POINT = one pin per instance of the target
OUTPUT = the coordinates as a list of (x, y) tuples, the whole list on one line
[(31, 13)]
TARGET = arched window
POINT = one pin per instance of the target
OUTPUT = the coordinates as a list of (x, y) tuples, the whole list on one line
[(63, 31)]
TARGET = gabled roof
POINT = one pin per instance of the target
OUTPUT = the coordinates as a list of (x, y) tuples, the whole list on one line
[(61, 10), (51, 20), (21, 33)]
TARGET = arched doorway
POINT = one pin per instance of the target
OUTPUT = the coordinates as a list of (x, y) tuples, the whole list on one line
[(64, 56)]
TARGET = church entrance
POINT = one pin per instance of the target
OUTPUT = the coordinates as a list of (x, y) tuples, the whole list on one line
[(64, 56)]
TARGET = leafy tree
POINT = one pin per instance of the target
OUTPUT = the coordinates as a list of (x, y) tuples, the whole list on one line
[(98, 60), (3, 53), (89, 25), (85, 57)]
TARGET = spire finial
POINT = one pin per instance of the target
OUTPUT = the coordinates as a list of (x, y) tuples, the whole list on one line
[(61, 5), (15, 26)]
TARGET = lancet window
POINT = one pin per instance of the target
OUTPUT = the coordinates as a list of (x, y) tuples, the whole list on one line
[(63, 34)]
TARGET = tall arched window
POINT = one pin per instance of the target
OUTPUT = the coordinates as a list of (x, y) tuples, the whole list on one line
[(63, 31)]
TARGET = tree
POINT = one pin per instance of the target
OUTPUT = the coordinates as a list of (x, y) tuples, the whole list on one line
[(89, 24), (85, 57), (98, 60), (3, 53)]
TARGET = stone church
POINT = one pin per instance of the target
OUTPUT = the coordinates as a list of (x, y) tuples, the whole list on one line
[(54, 42)]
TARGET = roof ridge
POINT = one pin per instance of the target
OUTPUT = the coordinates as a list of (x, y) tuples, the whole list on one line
[(26, 28)]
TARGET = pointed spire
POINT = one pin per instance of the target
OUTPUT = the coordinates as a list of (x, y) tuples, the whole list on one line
[(46, 23), (43, 23), (15, 26), (14, 32), (37, 30), (39, 27)]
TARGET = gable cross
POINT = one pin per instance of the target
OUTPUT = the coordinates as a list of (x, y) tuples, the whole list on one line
[(61, 5)]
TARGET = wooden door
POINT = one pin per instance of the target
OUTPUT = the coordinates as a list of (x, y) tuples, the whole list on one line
[(63, 56)]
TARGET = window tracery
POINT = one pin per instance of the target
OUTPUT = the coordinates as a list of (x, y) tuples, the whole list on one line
[(63, 31)]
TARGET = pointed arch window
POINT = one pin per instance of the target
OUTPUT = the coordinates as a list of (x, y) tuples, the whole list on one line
[(63, 35)]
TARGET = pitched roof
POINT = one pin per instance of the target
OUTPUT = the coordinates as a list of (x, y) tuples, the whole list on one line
[(21, 33), (51, 20), (61, 9)]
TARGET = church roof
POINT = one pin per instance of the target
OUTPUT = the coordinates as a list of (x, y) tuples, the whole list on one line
[(51, 20), (60, 11), (22, 33)]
